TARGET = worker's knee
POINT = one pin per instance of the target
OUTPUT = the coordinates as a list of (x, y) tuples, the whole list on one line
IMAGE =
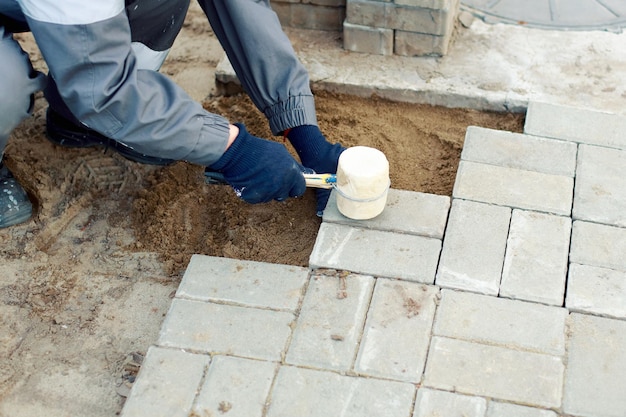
[(18, 83), (156, 23)]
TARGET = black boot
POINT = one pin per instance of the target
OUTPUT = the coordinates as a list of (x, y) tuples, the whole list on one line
[(65, 133), (15, 207), (64, 129)]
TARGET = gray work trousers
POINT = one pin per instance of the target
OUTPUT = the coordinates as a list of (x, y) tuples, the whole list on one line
[(264, 60), (19, 82)]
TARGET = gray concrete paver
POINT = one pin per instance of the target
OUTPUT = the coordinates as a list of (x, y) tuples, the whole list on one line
[(329, 328), (405, 212), (313, 393), (596, 290), (397, 309), (595, 381), (499, 321), (598, 245), (519, 151), (493, 371), (434, 403), (474, 246), (600, 195), (166, 385), (235, 386), (515, 188), (576, 124), (237, 281), (220, 328), (375, 252), (535, 264)]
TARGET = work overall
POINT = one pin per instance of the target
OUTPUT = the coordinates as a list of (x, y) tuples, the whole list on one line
[(103, 58)]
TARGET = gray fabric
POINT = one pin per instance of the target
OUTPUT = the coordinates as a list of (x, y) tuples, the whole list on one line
[(103, 86), (19, 83), (99, 81), (264, 60)]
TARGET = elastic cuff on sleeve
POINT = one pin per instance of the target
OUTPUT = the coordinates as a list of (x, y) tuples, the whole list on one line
[(295, 111), (211, 143)]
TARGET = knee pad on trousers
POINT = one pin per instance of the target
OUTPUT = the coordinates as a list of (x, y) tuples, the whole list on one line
[(156, 23)]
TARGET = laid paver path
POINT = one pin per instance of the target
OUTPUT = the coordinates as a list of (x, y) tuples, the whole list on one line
[(506, 300)]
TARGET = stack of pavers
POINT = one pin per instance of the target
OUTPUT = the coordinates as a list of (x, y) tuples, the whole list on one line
[(401, 27), (311, 14), (382, 27), (507, 299)]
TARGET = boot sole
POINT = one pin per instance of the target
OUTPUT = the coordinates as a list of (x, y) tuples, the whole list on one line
[(21, 215)]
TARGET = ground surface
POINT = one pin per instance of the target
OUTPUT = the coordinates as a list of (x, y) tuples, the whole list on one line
[(86, 283)]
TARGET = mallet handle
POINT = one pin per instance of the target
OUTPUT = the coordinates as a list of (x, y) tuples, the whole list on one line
[(312, 180), (320, 180)]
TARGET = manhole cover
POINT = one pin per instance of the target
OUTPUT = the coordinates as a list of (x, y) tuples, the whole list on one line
[(552, 14)]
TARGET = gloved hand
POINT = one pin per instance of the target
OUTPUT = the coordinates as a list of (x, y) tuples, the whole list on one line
[(316, 153), (260, 170)]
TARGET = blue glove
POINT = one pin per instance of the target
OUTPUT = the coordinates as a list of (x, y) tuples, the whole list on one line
[(316, 153), (260, 170)]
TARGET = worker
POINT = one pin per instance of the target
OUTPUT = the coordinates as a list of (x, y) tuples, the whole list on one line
[(104, 89)]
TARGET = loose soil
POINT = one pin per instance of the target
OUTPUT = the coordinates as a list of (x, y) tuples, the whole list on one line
[(86, 283)]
